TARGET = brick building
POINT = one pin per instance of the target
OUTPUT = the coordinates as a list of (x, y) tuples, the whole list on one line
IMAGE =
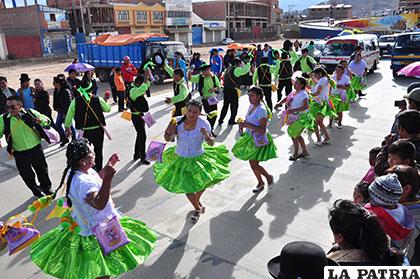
[(409, 5), (35, 31), (337, 11), (245, 19), (98, 15)]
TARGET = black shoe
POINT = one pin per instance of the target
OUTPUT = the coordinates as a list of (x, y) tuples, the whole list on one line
[(38, 194), (48, 192), (362, 94), (213, 134), (144, 162), (136, 157), (220, 123), (232, 122), (64, 142)]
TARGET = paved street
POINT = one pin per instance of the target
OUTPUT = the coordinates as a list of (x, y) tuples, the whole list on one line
[(240, 231)]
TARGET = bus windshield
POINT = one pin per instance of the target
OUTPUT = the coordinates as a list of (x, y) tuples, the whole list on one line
[(170, 49), (408, 41), (338, 49)]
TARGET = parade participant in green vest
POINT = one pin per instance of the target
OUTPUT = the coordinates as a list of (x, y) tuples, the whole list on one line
[(181, 92), (305, 63), (87, 110), (263, 77), (208, 86), (23, 130)]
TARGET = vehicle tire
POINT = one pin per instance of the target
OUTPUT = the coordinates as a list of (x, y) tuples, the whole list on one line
[(395, 74), (374, 67), (102, 74)]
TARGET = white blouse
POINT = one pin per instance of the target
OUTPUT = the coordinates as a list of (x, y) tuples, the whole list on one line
[(190, 143), (325, 88), (254, 118), (299, 100), (345, 80)]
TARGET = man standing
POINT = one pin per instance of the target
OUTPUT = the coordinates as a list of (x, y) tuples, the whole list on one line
[(216, 62), (5, 92), (23, 131), (88, 113), (208, 86), (231, 89), (26, 92), (73, 82), (263, 77), (129, 71), (306, 63)]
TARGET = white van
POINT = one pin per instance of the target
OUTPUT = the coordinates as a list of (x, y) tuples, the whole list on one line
[(342, 48)]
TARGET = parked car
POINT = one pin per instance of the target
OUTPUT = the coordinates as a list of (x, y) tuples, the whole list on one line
[(227, 41), (405, 51), (386, 43)]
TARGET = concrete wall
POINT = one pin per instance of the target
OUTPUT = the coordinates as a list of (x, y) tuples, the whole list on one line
[(210, 10), (3, 47), (22, 21)]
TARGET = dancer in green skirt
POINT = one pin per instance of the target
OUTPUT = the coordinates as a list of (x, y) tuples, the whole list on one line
[(65, 253), (256, 144), (319, 106), (358, 68), (340, 100), (191, 167), (298, 117)]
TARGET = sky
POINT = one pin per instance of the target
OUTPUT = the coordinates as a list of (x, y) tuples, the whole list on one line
[(301, 4)]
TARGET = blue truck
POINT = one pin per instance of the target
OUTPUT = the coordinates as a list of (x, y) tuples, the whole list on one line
[(103, 58)]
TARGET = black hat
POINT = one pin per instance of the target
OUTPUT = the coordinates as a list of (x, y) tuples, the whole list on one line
[(24, 77), (300, 259)]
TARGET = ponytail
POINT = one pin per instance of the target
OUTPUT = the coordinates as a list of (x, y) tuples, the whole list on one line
[(69, 179)]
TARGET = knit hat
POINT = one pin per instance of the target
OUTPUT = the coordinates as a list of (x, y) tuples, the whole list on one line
[(386, 190)]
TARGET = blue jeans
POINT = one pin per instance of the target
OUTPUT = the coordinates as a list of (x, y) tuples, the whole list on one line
[(59, 123)]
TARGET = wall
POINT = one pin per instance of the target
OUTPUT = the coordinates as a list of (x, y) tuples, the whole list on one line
[(22, 21), (211, 11), (24, 46), (139, 26), (3, 47)]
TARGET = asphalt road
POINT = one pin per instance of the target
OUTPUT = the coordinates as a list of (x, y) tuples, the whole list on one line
[(240, 231)]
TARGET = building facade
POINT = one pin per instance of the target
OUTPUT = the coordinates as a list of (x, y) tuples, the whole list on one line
[(139, 18), (244, 19), (409, 5), (339, 11), (35, 31), (97, 16)]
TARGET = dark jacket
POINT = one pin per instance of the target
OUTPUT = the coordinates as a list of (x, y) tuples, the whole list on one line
[(73, 84), (42, 102), (3, 100), (62, 99)]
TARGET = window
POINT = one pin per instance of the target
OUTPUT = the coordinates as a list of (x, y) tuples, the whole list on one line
[(172, 14), (52, 17), (157, 16), (141, 16), (123, 16)]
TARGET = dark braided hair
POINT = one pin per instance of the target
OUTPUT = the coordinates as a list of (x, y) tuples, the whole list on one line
[(76, 151), (194, 103)]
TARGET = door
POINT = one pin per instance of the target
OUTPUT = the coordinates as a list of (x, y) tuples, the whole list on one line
[(197, 35)]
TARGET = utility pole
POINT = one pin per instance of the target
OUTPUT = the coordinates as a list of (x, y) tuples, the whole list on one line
[(288, 20), (82, 17), (228, 18)]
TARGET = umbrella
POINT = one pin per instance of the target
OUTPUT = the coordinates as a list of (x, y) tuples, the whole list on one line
[(240, 46), (80, 67), (411, 70)]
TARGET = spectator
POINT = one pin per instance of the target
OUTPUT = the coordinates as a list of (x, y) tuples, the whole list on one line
[(413, 99), (112, 85), (42, 101), (359, 237), (129, 71), (228, 59), (5, 92), (26, 92), (195, 64), (361, 193), (370, 175), (409, 129), (409, 179), (417, 28), (311, 49), (73, 82), (395, 219), (266, 52), (401, 152), (61, 102), (216, 62), (412, 86), (259, 55), (179, 62), (120, 87), (300, 259)]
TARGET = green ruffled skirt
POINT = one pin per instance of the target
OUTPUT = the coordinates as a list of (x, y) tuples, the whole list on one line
[(324, 109), (246, 150), (190, 175), (351, 95), (339, 105), (62, 254), (357, 84), (306, 121)]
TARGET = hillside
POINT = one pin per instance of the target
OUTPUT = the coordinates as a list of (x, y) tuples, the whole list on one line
[(363, 7)]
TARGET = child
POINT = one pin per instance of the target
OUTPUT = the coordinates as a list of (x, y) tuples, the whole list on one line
[(297, 108), (339, 95), (401, 152), (351, 96), (120, 87), (370, 175), (361, 193), (396, 221)]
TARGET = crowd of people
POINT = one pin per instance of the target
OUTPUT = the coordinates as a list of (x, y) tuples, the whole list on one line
[(378, 226)]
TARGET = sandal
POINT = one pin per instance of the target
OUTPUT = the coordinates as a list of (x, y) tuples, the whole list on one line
[(258, 189), (304, 155), (195, 216), (203, 209), (270, 179), (293, 158)]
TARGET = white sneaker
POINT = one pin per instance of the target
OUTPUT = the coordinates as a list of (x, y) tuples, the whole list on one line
[(339, 126), (318, 143)]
